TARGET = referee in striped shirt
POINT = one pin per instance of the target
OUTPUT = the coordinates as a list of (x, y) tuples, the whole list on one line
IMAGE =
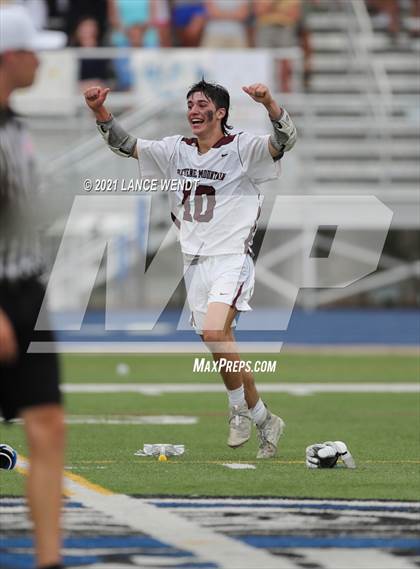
[(28, 382)]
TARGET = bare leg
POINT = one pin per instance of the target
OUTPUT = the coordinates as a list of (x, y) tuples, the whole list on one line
[(286, 75), (306, 44), (190, 36), (44, 427), (394, 17), (391, 8), (219, 337), (415, 15), (165, 39), (251, 394), (135, 35)]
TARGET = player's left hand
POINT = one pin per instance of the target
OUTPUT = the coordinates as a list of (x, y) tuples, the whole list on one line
[(259, 92), (326, 455)]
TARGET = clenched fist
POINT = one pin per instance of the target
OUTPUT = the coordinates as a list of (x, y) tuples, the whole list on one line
[(259, 92), (95, 97)]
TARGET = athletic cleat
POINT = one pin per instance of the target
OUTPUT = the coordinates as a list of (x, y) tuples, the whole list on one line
[(240, 423), (268, 434)]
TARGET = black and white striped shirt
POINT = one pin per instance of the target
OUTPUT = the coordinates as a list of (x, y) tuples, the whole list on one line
[(20, 250)]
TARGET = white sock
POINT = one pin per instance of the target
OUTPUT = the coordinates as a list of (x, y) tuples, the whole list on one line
[(236, 396), (259, 413)]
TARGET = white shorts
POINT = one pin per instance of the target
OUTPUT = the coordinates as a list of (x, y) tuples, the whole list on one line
[(218, 278)]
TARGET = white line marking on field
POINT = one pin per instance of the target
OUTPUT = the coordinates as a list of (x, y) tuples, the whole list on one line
[(169, 527), (141, 347), (291, 388), (239, 466), (124, 420), (140, 420), (175, 530), (149, 561), (179, 348), (339, 558), (93, 467), (263, 502)]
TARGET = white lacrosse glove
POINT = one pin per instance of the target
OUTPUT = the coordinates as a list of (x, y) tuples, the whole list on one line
[(326, 455)]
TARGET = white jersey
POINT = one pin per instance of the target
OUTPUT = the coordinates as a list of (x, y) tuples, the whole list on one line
[(220, 215)]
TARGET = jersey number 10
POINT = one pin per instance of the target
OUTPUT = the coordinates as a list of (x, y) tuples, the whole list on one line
[(199, 214)]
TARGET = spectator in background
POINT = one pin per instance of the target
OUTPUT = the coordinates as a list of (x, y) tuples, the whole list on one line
[(250, 24), (391, 9), (189, 20), (130, 17), (161, 21), (414, 20), (226, 21), (304, 35), (276, 27), (79, 9), (92, 71)]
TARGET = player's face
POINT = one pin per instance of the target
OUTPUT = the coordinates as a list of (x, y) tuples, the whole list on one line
[(21, 67), (202, 114)]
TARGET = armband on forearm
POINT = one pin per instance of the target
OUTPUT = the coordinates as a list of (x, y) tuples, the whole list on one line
[(118, 140), (284, 135)]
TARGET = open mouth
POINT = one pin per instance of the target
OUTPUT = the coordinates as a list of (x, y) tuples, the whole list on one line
[(195, 122)]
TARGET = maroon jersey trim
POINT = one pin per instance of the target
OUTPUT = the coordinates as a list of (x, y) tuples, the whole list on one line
[(250, 238), (238, 294), (175, 220), (190, 141), (224, 140), (221, 142)]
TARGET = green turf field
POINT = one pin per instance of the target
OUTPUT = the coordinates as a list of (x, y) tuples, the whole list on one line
[(382, 431), (290, 367)]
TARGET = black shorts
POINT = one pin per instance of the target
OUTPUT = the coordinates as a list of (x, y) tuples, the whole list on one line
[(32, 379)]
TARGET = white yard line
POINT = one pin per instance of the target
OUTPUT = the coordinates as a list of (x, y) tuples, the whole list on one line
[(172, 528), (291, 388), (263, 502), (180, 348), (139, 347), (124, 420), (339, 558), (168, 527), (239, 466), (139, 420)]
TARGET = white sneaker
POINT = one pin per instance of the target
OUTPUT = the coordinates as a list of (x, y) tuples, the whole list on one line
[(268, 434), (240, 422)]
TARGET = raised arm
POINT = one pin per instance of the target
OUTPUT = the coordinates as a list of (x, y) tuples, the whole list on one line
[(118, 140), (284, 131)]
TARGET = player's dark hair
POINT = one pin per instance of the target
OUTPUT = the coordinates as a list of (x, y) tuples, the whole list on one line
[(218, 95)]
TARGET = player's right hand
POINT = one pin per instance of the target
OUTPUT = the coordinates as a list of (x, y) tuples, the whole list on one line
[(259, 93), (8, 343), (95, 97)]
